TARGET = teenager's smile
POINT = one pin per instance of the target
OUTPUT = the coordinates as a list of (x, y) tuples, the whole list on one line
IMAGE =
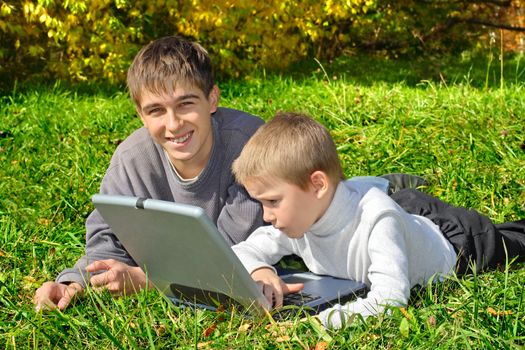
[(181, 140)]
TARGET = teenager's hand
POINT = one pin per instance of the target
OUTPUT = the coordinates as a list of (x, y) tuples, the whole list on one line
[(117, 277), (53, 294), (274, 287)]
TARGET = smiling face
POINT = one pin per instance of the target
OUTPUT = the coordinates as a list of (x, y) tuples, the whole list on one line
[(288, 207), (181, 123)]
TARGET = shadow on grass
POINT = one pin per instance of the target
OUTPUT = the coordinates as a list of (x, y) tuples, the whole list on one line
[(481, 70), (477, 69)]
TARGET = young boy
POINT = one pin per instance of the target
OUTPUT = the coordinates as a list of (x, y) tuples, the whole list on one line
[(348, 229), (183, 153)]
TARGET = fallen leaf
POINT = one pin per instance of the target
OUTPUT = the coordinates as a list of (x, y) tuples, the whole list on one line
[(493, 312), (43, 221), (455, 313), (160, 329), (404, 312), (209, 331), (245, 327), (372, 337), (204, 344), (282, 338), (431, 320), (322, 345)]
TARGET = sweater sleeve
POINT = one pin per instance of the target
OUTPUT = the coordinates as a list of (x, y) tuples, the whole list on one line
[(388, 275), (239, 216), (101, 242), (264, 248)]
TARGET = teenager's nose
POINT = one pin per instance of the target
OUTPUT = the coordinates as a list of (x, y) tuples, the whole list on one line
[(173, 123)]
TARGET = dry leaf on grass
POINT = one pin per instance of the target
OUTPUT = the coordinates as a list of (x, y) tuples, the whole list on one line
[(204, 344), (209, 331), (405, 313), (245, 327), (322, 345), (282, 338), (493, 312)]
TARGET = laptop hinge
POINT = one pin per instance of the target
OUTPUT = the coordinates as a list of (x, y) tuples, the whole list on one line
[(140, 203)]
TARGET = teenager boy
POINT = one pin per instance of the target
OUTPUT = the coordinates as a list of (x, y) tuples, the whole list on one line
[(183, 154), (348, 229)]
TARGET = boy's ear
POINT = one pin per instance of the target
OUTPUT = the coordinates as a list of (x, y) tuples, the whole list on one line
[(320, 182), (213, 98)]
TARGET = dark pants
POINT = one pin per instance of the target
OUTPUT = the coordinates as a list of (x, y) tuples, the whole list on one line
[(474, 237)]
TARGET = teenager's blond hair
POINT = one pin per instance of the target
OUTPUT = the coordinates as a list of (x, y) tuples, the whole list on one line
[(163, 63), (290, 147)]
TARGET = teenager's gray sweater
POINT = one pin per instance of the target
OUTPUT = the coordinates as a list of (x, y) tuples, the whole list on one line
[(139, 167)]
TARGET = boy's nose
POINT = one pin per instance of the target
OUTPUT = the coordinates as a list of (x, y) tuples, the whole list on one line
[(268, 215)]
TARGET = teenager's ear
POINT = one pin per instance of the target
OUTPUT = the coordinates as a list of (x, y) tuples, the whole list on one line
[(320, 182), (213, 97)]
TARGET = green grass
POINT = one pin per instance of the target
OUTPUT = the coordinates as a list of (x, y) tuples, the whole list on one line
[(443, 122)]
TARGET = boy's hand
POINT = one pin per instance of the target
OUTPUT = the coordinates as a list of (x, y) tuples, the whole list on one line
[(53, 294), (274, 287), (117, 277)]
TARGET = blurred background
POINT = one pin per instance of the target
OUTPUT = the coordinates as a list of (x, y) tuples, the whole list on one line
[(95, 40)]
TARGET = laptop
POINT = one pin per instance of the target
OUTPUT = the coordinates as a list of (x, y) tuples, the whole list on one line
[(187, 259)]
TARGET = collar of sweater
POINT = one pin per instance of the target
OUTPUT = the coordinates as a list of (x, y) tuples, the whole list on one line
[(339, 212)]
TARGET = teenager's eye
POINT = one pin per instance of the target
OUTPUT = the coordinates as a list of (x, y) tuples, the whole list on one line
[(154, 111), (186, 104)]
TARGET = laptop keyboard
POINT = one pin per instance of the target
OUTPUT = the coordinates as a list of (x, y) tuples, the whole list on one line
[(298, 298)]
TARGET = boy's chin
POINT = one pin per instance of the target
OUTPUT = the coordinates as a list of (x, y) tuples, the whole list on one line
[(293, 235)]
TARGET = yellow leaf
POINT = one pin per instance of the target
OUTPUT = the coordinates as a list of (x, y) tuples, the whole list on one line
[(5, 10), (404, 312), (321, 346), (43, 221), (493, 312), (245, 327), (282, 338)]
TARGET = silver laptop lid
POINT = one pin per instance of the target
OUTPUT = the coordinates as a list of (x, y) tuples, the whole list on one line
[(180, 249)]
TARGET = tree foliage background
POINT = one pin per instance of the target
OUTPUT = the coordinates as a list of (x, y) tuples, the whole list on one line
[(97, 39)]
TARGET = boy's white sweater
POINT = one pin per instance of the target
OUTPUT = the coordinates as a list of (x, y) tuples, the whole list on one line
[(364, 235)]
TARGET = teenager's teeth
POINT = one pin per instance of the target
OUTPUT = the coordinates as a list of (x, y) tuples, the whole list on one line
[(182, 139)]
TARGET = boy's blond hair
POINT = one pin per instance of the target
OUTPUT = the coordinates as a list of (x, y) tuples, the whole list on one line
[(163, 63), (290, 147)]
